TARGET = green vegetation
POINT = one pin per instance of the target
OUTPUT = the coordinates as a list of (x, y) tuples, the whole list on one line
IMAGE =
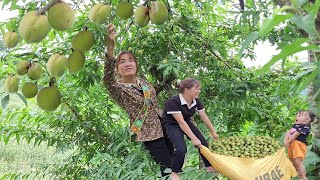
[(206, 40)]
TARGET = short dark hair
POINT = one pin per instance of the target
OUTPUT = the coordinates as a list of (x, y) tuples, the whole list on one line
[(187, 83), (312, 116)]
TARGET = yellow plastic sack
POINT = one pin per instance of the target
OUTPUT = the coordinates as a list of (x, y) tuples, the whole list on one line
[(273, 167)]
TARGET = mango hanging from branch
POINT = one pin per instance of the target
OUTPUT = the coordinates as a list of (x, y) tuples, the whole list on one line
[(56, 65), (99, 13), (83, 40), (141, 16), (34, 71), (29, 90), (33, 27), (49, 98), (158, 12), (61, 16), (75, 61), (10, 39), (124, 10), (11, 84)]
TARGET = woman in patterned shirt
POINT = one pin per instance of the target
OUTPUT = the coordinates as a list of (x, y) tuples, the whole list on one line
[(138, 98)]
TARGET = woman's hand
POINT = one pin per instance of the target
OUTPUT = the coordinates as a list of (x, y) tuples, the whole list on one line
[(111, 32), (286, 144), (110, 37), (214, 135), (196, 142)]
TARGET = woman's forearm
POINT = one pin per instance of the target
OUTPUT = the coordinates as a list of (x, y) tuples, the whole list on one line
[(109, 78), (186, 129), (207, 121)]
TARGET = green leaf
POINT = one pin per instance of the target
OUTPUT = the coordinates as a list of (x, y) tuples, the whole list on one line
[(311, 159), (251, 37), (13, 4), (303, 73), (5, 2), (2, 31), (315, 8), (23, 98), (269, 23), (306, 23), (5, 101), (305, 82), (316, 142), (298, 3), (286, 51)]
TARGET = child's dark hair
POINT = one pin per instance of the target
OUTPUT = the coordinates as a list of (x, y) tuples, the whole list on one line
[(312, 116), (187, 83)]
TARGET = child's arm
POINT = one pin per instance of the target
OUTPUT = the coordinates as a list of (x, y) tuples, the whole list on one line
[(207, 122), (286, 138), (289, 138), (186, 129)]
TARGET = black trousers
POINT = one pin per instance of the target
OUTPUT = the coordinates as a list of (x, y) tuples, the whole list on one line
[(176, 136), (161, 150)]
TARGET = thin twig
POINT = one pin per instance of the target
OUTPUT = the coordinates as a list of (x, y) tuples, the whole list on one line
[(47, 7)]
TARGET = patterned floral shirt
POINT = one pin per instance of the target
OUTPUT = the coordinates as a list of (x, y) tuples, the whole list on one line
[(131, 99)]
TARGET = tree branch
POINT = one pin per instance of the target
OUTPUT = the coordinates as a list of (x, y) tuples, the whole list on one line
[(47, 7), (205, 44), (90, 130)]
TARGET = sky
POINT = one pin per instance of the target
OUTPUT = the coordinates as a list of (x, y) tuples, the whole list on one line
[(264, 50)]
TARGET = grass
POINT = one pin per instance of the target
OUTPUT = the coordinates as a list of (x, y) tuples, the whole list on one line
[(24, 158)]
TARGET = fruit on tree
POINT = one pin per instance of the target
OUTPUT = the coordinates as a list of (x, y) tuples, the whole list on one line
[(10, 39), (165, 61), (158, 12), (29, 90), (34, 71), (11, 83), (130, 49), (22, 67), (49, 98), (141, 15), (124, 10), (33, 27), (61, 16), (99, 13), (208, 52), (83, 40), (140, 51), (75, 61), (56, 65)]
